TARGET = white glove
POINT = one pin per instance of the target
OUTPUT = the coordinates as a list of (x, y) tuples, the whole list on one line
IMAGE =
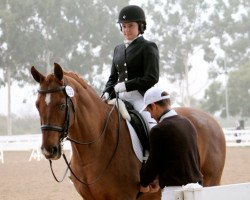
[(120, 87), (105, 96)]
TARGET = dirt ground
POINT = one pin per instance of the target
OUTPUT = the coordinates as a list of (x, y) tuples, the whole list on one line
[(23, 180)]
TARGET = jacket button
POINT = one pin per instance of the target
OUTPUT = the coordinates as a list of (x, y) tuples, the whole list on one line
[(126, 79), (126, 71), (125, 64)]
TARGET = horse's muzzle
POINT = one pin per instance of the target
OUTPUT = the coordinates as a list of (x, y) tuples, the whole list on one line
[(52, 152)]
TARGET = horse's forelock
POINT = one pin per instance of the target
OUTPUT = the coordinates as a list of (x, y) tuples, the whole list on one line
[(49, 80)]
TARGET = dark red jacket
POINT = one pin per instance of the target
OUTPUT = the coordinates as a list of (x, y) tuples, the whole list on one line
[(173, 155)]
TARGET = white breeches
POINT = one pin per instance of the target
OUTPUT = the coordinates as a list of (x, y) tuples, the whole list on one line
[(136, 99)]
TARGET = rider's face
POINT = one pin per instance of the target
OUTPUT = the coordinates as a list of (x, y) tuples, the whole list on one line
[(130, 30)]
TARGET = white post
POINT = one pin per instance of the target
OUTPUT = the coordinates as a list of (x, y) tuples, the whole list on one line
[(9, 124), (1, 153), (224, 192), (226, 87), (184, 53)]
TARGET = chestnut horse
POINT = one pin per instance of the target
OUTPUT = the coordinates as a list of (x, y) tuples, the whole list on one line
[(104, 165)]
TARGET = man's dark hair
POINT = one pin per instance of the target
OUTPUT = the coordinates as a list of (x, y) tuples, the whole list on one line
[(163, 102)]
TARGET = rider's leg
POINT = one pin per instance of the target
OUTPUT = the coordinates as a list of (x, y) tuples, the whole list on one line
[(136, 99)]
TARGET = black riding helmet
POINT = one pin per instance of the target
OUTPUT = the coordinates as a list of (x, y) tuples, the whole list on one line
[(133, 13)]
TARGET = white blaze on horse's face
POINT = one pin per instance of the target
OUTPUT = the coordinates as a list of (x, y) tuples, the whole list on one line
[(48, 99)]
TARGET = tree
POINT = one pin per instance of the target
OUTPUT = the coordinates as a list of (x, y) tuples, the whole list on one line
[(232, 43), (239, 91), (12, 41), (230, 32), (78, 35), (238, 94), (81, 36), (180, 30), (220, 29), (214, 99)]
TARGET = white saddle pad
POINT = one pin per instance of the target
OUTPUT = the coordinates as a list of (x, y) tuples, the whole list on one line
[(135, 142), (134, 138)]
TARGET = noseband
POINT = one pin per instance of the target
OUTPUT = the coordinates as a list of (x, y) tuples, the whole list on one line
[(61, 129)]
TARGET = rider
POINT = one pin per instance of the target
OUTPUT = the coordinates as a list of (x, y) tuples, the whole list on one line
[(135, 65)]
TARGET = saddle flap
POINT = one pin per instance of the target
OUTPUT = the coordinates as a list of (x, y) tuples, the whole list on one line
[(136, 120)]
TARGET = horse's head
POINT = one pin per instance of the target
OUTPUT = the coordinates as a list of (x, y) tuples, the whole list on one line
[(54, 106)]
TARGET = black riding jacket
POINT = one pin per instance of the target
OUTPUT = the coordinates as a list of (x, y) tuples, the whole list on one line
[(137, 66)]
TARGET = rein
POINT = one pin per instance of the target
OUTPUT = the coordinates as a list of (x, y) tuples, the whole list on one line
[(62, 130), (102, 133), (64, 175), (85, 143)]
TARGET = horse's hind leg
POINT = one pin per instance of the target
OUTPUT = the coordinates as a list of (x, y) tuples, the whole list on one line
[(211, 180), (212, 176)]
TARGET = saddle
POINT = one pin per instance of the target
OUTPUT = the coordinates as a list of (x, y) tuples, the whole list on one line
[(139, 125), (136, 120)]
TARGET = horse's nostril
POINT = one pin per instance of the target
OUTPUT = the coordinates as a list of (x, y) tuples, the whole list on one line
[(54, 150)]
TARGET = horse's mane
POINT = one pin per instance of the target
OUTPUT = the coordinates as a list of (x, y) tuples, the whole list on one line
[(81, 81), (76, 77)]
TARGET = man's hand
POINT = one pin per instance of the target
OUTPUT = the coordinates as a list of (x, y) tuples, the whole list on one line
[(120, 87), (154, 186), (144, 189), (151, 188)]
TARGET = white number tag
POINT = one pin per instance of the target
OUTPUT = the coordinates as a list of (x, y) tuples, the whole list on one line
[(69, 91)]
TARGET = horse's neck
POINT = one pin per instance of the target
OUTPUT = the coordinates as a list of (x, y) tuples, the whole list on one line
[(108, 154), (89, 124)]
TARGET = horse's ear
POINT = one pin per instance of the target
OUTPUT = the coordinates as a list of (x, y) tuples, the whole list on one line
[(58, 72), (37, 75)]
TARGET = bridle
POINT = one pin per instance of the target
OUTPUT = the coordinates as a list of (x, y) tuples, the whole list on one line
[(63, 130)]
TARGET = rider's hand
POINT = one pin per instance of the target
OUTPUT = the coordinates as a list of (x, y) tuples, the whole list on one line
[(120, 87), (105, 96)]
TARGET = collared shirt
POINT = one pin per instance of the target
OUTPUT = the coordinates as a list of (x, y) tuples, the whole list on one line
[(168, 114), (128, 42)]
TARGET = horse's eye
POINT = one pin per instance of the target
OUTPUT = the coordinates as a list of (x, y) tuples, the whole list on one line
[(62, 107)]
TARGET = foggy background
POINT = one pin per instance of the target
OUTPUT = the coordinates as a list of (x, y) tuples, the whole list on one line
[(204, 52)]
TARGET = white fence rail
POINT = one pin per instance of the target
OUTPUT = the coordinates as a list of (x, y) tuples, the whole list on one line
[(23, 142), (30, 143), (20, 142), (225, 192), (33, 142), (237, 137)]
